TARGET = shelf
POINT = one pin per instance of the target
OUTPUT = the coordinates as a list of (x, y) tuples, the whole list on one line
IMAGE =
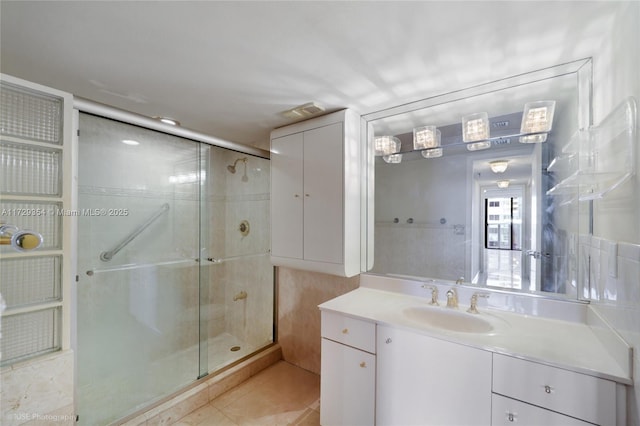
[(599, 160)]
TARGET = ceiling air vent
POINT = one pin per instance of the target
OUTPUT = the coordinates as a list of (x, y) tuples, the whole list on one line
[(303, 111)]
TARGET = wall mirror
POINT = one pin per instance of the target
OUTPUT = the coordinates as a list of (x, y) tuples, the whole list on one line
[(480, 207)]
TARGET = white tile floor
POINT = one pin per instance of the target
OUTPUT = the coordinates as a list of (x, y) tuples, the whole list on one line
[(282, 394)]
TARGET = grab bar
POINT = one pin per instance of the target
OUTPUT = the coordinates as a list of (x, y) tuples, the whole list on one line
[(106, 256)]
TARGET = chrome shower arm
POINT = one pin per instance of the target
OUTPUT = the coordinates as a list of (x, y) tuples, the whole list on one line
[(106, 256)]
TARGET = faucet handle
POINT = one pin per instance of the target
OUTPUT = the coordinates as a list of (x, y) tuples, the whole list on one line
[(473, 304), (434, 294)]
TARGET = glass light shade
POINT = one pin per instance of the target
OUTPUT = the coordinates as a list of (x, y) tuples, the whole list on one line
[(426, 137), (432, 153), (392, 159), (475, 127), (386, 145), (502, 184), (499, 166), (537, 138), (478, 146), (537, 117)]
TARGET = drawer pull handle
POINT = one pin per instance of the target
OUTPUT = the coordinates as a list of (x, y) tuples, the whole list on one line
[(345, 331), (363, 364), (548, 389), (511, 417)]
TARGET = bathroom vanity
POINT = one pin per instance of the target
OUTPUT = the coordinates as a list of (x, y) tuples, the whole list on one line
[(390, 356)]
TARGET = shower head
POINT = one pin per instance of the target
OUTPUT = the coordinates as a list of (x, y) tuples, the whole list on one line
[(232, 168)]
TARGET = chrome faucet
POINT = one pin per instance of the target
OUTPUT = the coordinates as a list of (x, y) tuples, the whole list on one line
[(473, 304), (452, 298)]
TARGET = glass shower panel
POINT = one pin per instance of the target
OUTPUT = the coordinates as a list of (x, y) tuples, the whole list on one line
[(239, 276), (138, 261)]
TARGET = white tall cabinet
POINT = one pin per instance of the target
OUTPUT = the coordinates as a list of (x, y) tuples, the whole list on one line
[(315, 194)]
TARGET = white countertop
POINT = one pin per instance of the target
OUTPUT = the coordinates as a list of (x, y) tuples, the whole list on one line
[(572, 345)]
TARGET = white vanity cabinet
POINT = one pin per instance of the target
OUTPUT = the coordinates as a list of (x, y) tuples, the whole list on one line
[(427, 381), (315, 194), (348, 371), (529, 393)]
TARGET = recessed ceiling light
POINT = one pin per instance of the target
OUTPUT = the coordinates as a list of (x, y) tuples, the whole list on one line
[(168, 120), (130, 142)]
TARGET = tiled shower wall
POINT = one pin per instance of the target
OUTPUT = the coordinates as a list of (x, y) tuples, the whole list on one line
[(234, 198)]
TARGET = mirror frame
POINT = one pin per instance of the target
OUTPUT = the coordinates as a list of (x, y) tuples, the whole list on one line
[(581, 69)]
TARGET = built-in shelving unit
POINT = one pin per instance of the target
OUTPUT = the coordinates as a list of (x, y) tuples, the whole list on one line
[(598, 160), (35, 191)]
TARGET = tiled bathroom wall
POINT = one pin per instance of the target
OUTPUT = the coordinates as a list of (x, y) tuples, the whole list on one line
[(299, 294), (615, 271), (615, 294), (241, 265)]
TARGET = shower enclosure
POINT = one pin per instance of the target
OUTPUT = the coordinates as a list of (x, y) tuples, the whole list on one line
[(174, 274)]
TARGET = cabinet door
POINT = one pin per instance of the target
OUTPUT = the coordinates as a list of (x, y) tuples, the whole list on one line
[(323, 194), (287, 196), (347, 385), (507, 411), (427, 381)]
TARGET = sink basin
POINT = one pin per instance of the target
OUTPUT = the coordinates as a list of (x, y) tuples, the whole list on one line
[(448, 319)]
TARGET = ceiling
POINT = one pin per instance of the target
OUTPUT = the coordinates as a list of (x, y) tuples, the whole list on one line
[(228, 69)]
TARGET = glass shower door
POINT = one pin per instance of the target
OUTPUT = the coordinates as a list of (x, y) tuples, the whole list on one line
[(138, 265)]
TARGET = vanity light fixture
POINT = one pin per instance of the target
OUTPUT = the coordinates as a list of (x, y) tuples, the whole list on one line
[(499, 166), (432, 153), (392, 159), (130, 142), (386, 145), (475, 127), (537, 118), (502, 184), (426, 137)]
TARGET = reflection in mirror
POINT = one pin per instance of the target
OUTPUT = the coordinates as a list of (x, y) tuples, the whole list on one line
[(464, 195)]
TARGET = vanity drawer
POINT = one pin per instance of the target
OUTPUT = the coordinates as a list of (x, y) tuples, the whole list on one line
[(574, 394), (349, 331), (507, 411)]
